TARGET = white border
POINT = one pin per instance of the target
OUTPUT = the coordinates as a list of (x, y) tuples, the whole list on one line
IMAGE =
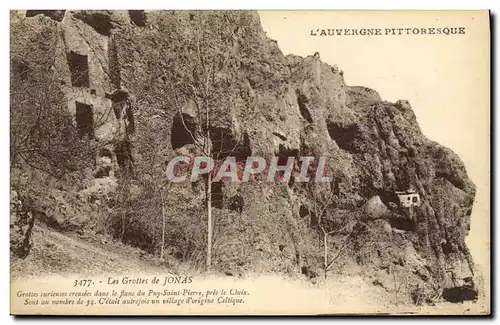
[(187, 4)]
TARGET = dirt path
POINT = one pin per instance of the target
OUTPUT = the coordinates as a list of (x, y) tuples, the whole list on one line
[(57, 253)]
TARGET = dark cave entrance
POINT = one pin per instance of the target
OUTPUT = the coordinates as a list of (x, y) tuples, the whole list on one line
[(21, 69), (460, 294), (182, 131), (405, 224), (225, 145), (304, 212), (99, 21), (119, 99), (302, 101), (56, 15), (388, 197), (130, 117), (236, 203), (105, 153), (336, 186), (447, 248), (138, 17), (79, 68), (217, 195), (283, 154), (123, 152), (104, 167), (117, 109), (84, 120), (344, 136)]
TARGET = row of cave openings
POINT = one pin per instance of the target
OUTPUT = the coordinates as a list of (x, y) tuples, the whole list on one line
[(79, 69), (99, 21), (102, 23), (183, 132), (79, 64), (80, 77), (224, 144)]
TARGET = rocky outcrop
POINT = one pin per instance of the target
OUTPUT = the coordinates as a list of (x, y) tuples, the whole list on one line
[(169, 64)]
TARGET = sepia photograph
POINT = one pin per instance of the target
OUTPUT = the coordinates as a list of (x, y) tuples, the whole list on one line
[(234, 162)]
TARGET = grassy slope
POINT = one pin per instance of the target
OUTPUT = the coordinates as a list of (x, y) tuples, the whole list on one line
[(58, 253)]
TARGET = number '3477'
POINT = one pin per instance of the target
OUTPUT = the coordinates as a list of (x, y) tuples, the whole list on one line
[(82, 283)]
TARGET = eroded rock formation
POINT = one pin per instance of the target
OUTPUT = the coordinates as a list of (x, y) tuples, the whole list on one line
[(142, 67)]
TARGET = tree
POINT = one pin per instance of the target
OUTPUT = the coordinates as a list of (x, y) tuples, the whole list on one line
[(43, 135), (328, 220), (195, 67), (140, 216), (208, 62)]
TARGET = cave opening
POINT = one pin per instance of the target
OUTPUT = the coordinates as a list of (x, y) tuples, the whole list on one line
[(283, 154), (123, 152), (336, 185), (460, 293), (118, 101), (388, 197), (79, 68), (56, 15), (105, 158), (344, 136), (225, 145), (117, 109), (104, 152), (84, 120), (182, 131), (217, 195), (303, 102), (405, 224), (236, 203), (21, 69), (303, 211), (447, 248), (138, 17), (99, 21), (130, 117)]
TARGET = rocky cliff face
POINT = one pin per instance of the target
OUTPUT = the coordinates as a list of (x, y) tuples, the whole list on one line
[(145, 75)]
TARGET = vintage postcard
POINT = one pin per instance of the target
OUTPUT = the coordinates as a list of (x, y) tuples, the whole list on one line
[(249, 162)]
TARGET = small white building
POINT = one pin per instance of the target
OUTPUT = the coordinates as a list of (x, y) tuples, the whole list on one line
[(408, 199)]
